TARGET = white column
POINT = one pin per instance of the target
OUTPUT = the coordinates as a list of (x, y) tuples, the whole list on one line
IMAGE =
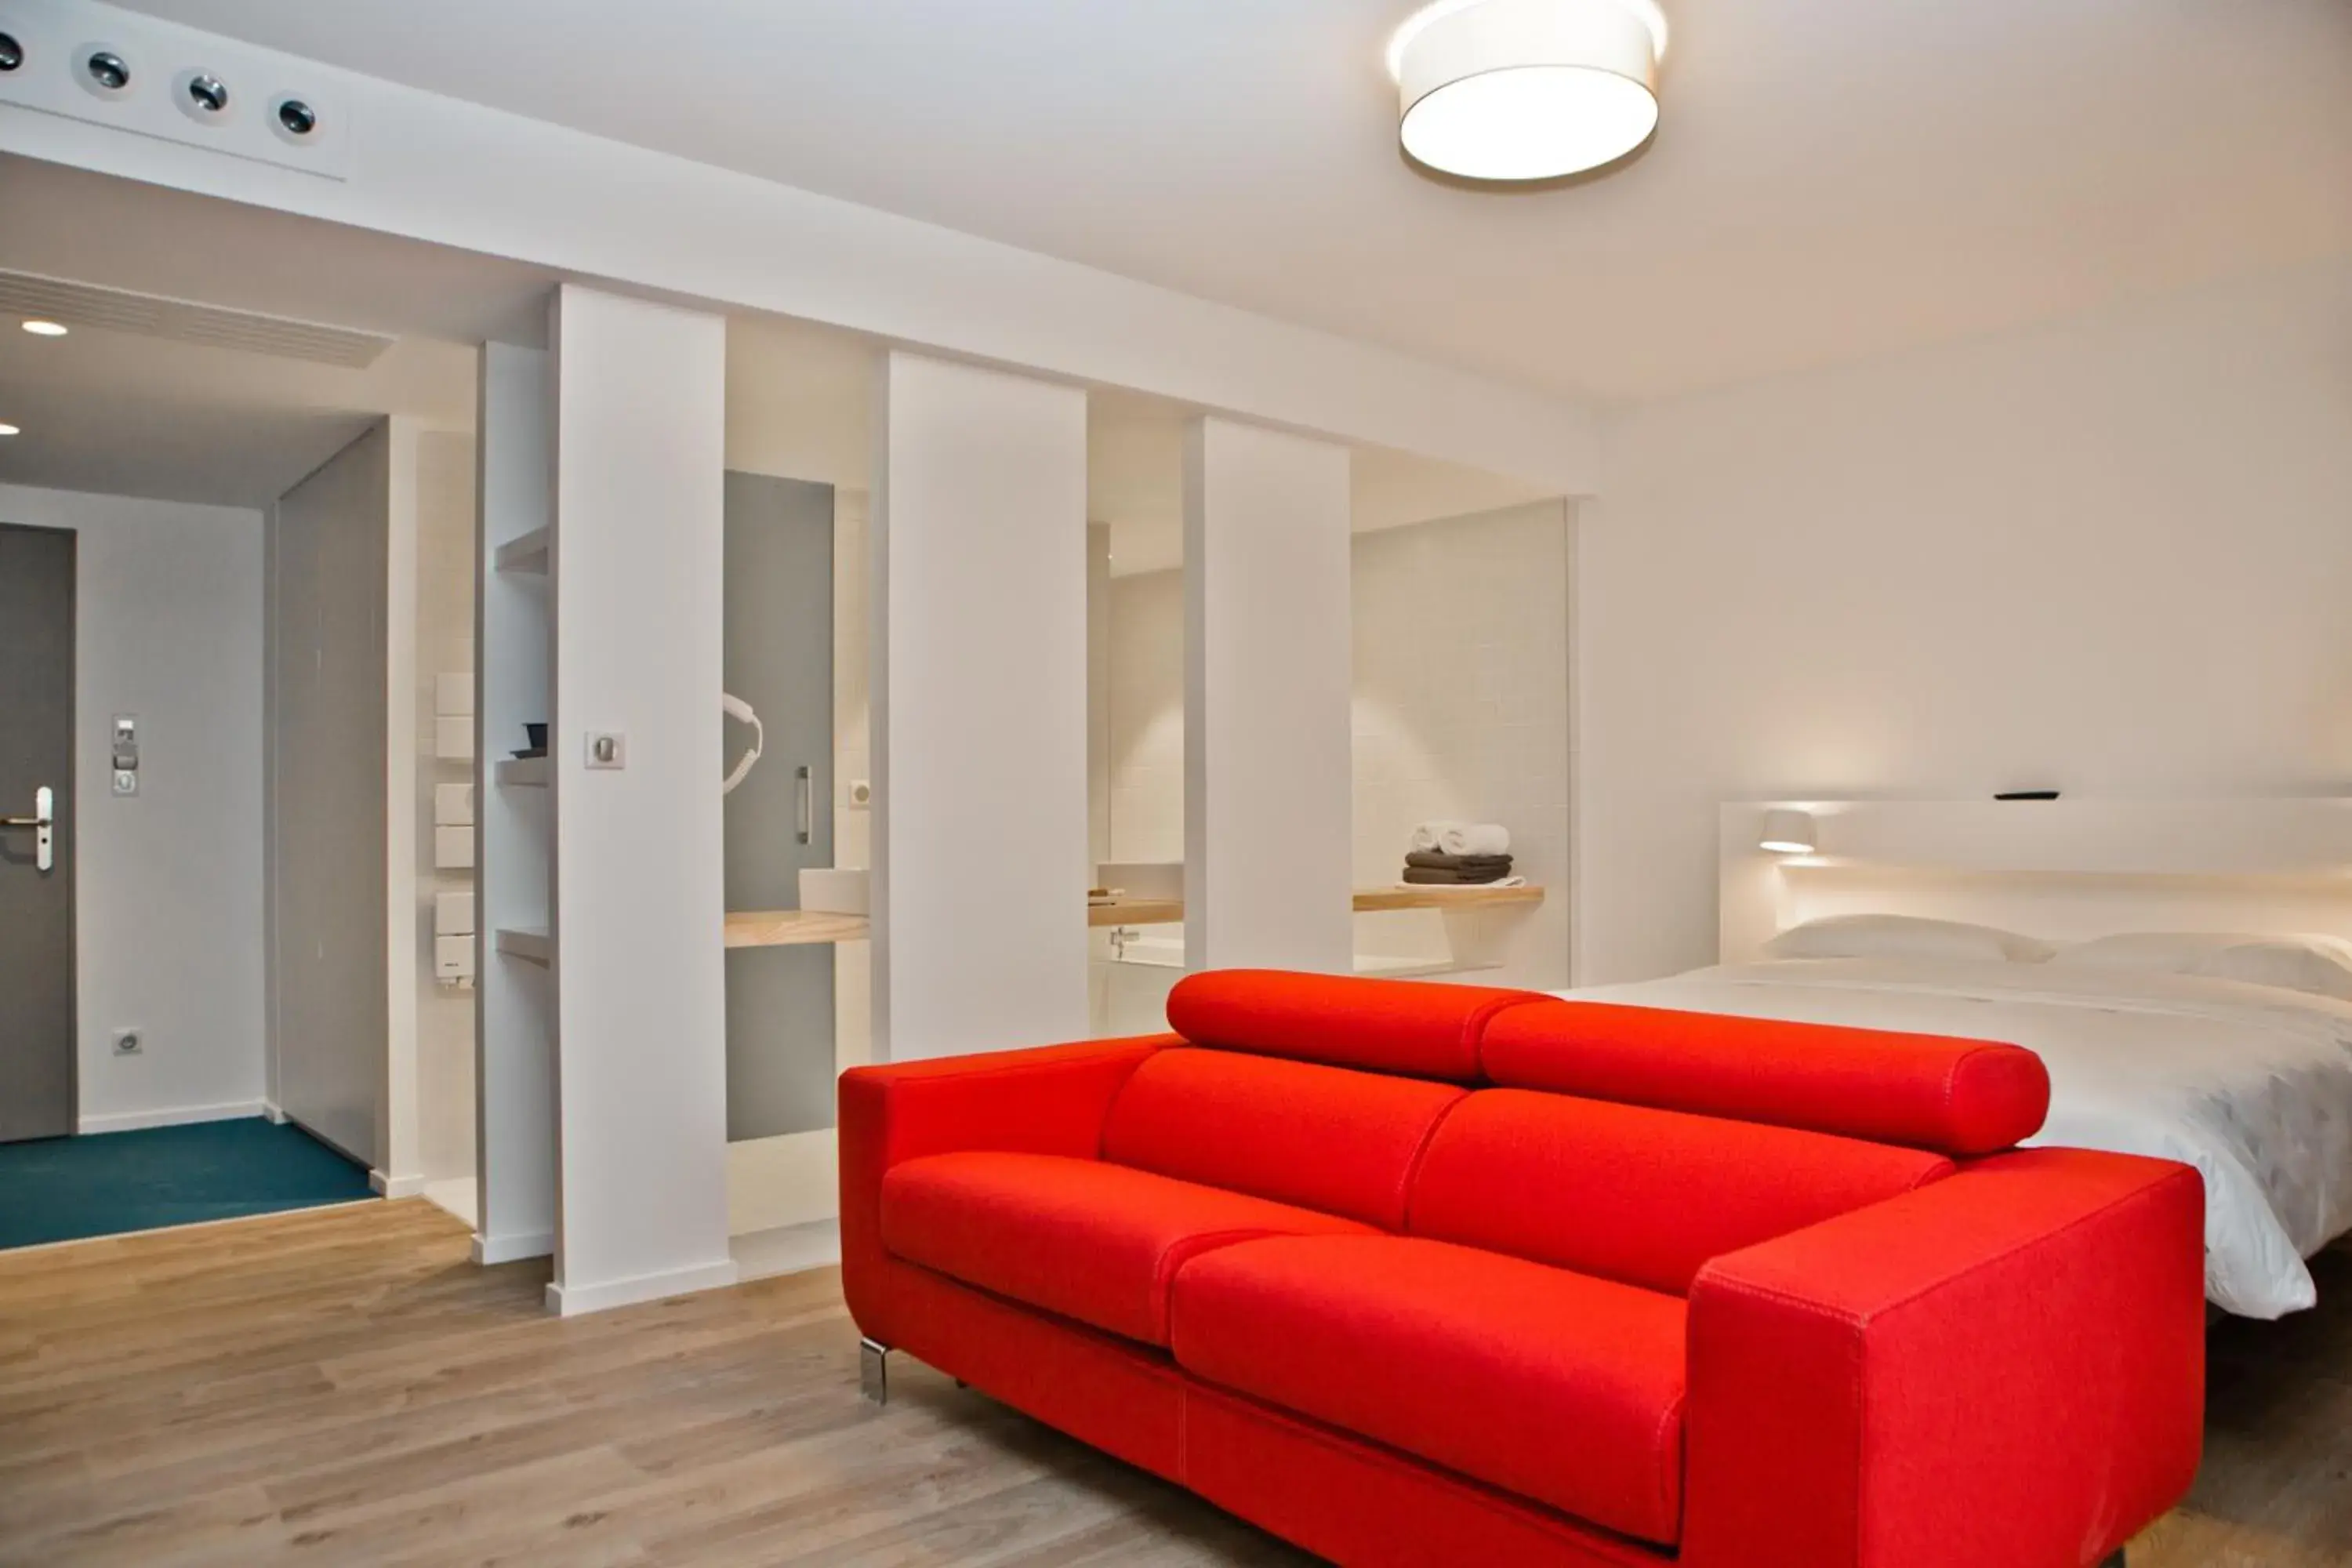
[(978, 711), (640, 454), (514, 1060), (1267, 773)]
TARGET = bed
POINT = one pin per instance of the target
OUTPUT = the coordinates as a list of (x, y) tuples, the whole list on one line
[(2251, 1083)]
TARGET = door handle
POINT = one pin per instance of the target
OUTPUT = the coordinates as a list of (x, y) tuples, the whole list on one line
[(801, 818), (43, 822)]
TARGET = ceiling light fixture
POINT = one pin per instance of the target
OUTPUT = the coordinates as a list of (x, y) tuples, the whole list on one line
[(40, 329), (9, 430), (1527, 90)]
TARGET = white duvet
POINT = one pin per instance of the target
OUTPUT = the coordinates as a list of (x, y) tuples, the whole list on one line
[(2250, 1084)]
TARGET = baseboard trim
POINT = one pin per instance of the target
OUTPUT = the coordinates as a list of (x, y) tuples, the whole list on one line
[(278, 1118), (787, 1249), (572, 1301), (491, 1249), (389, 1186), (176, 1116)]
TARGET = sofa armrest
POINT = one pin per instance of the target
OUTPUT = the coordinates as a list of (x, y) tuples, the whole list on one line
[(2004, 1367), (1050, 1100)]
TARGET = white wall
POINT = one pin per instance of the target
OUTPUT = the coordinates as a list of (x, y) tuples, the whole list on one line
[(445, 644), (639, 895), (1265, 700), (514, 1076), (1145, 715), (169, 899), (2110, 555), (1460, 709), (1462, 712), (978, 721), (335, 849)]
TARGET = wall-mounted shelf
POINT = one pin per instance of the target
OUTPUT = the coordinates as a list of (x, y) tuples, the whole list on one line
[(526, 554), (1367, 900), (792, 928), (523, 772), (531, 946), (1371, 901)]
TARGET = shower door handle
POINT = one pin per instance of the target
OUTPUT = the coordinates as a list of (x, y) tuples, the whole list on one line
[(802, 820), (44, 821)]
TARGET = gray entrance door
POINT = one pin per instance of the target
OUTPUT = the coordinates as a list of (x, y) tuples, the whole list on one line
[(36, 903), (779, 658)]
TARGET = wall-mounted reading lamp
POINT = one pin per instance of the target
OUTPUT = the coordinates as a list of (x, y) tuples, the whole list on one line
[(1788, 833)]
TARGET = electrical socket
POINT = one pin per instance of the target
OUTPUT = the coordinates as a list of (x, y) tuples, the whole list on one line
[(129, 1042)]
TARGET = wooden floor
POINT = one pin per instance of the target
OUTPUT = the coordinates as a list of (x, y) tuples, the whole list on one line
[(343, 1388)]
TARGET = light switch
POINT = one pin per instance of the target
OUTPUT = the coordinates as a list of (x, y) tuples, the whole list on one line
[(126, 755)]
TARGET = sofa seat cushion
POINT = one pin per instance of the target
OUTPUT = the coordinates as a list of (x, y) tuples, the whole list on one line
[(1096, 1242), (1557, 1386)]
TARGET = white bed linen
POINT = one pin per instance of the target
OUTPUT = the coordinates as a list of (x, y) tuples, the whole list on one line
[(2250, 1084)]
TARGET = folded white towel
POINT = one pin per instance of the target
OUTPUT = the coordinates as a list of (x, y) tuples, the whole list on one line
[(1427, 834), (1443, 888), (1473, 838)]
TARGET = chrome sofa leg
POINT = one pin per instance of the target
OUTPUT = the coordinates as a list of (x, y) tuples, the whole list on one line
[(873, 1371)]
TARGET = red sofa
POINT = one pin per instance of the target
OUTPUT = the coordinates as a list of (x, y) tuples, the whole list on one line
[(1428, 1274)]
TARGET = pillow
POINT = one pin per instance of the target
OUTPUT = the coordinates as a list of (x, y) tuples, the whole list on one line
[(1904, 936), (2318, 965)]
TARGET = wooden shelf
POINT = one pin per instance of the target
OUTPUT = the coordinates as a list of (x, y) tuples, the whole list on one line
[(1371, 901), (792, 928), (1367, 900), (1136, 913), (789, 928), (526, 555), (531, 946), (523, 772)]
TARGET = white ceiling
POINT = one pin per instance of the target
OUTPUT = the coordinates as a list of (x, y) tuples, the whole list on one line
[(1834, 178), (175, 421)]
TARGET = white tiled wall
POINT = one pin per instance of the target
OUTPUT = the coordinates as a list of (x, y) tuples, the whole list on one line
[(1462, 709)]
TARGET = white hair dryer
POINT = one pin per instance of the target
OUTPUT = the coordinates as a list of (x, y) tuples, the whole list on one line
[(737, 708)]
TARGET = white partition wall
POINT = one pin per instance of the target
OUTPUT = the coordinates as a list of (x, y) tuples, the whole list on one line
[(980, 863), (636, 940), (1267, 752), (514, 1067)]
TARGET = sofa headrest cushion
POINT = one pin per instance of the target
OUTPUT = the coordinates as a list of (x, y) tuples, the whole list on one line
[(1405, 1026), (1925, 1091)]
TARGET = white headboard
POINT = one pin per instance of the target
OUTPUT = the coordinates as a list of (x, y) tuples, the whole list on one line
[(2064, 869)]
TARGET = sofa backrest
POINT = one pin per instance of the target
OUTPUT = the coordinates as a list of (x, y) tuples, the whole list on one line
[(1633, 1194), (1954, 1096), (1380, 1026), (1631, 1143), (1321, 1137)]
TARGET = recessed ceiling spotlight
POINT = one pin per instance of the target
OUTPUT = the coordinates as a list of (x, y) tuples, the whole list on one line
[(9, 430), (1527, 90), (40, 329)]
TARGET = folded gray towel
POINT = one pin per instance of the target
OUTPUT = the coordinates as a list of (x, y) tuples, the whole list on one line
[(1438, 860), (1425, 877)]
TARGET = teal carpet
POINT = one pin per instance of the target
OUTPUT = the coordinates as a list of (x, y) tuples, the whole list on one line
[(58, 1189)]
